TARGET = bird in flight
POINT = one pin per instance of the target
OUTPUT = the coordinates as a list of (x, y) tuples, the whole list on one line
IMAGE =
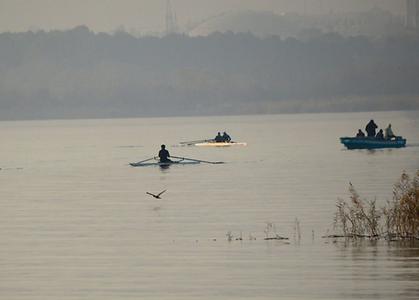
[(156, 196)]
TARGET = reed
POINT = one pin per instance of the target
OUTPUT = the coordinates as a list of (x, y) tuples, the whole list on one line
[(271, 234), (229, 236), (398, 219), (402, 212), (297, 230)]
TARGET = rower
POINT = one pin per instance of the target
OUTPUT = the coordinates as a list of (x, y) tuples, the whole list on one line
[(164, 154), (226, 137), (219, 138)]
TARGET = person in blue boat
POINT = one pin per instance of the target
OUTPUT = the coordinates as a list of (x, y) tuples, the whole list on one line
[(389, 133), (380, 135), (164, 155), (370, 128), (360, 134), (226, 137), (219, 138)]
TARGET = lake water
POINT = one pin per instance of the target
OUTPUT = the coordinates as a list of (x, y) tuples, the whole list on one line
[(76, 223)]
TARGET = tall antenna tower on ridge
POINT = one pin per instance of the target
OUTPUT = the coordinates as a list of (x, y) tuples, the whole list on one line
[(171, 22)]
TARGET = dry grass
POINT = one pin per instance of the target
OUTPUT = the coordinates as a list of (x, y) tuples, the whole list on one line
[(402, 213), (399, 219)]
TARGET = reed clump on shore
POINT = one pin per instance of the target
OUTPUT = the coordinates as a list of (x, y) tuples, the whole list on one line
[(397, 220)]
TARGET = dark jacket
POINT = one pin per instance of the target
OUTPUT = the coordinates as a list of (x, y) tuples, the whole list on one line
[(380, 135), (370, 128), (164, 155)]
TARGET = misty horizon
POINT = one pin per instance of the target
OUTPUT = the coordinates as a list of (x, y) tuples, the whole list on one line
[(81, 74), (149, 16)]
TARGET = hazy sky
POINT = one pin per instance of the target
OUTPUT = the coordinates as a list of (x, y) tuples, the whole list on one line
[(149, 15)]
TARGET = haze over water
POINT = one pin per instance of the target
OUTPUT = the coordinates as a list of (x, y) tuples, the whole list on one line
[(76, 223)]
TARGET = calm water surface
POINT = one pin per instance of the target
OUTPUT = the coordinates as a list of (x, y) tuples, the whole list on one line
[(75, 222)]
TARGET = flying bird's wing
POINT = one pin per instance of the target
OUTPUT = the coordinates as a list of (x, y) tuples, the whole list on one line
[(161, 193), (150, 194)]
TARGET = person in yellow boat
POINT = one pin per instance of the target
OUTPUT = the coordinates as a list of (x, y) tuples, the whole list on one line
[(226, 137), (219, 138)]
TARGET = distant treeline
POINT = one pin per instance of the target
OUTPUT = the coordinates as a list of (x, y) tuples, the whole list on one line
[(77, 73)]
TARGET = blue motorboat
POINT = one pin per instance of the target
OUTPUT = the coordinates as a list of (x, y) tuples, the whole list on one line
[(372, 142)]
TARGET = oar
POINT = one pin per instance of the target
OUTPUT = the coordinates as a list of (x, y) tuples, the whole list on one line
[(145, 160), (196, 142), (199, 160)]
